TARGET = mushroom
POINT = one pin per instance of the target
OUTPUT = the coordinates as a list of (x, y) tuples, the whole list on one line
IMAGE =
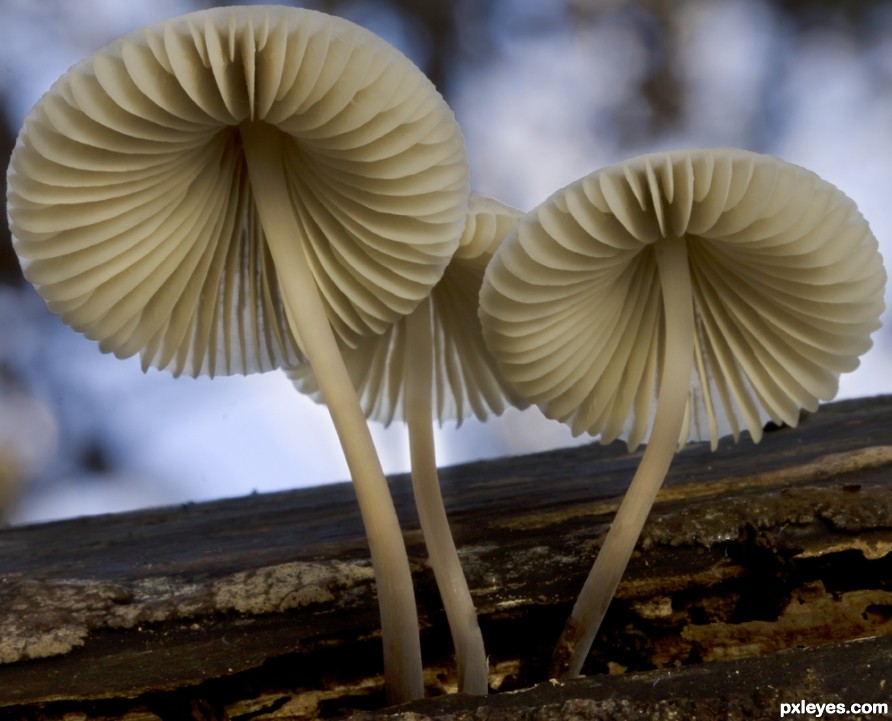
[(241, 189), (734, 286), (434, 363)]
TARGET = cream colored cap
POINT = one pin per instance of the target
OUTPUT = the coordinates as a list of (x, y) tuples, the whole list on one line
[(466, 380), (132, 213), (787, 288)]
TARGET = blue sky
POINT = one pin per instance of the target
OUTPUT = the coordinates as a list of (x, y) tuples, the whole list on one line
[(547, 102)]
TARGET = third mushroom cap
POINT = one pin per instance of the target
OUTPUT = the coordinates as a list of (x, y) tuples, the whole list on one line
[(434, 364)]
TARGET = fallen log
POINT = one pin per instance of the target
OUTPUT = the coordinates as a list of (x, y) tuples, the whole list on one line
[(762, 577)]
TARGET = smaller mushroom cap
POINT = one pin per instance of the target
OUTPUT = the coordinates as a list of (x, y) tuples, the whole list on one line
[(787, 287), (466, 380)]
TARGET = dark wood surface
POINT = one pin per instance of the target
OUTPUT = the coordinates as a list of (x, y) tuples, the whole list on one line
[(762, 568)]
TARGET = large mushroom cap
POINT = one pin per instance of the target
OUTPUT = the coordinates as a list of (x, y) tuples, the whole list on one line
[(466, 380), (132, 213), (787, 287)]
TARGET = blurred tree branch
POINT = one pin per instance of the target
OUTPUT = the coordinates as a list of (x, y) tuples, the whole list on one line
[(10, 272)]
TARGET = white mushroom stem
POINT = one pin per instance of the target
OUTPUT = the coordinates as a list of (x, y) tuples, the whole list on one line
[(306, 313), (600, 586), (473, 671)]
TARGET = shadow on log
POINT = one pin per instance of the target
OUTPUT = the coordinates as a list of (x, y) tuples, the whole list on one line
[(764, 576)]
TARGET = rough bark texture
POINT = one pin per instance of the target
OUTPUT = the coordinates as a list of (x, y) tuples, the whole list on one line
[(763, 577)]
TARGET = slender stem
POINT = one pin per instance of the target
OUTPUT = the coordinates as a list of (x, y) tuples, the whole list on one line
[(600, 586), (306, 313), (470, 655)]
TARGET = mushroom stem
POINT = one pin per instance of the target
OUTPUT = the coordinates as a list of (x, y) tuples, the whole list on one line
[(309, 321), (473, 671), (600, 586)]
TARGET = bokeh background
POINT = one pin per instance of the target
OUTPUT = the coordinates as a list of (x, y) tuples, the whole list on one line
[(546, 91)]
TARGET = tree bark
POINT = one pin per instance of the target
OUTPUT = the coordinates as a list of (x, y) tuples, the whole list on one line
[(762, 577)]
